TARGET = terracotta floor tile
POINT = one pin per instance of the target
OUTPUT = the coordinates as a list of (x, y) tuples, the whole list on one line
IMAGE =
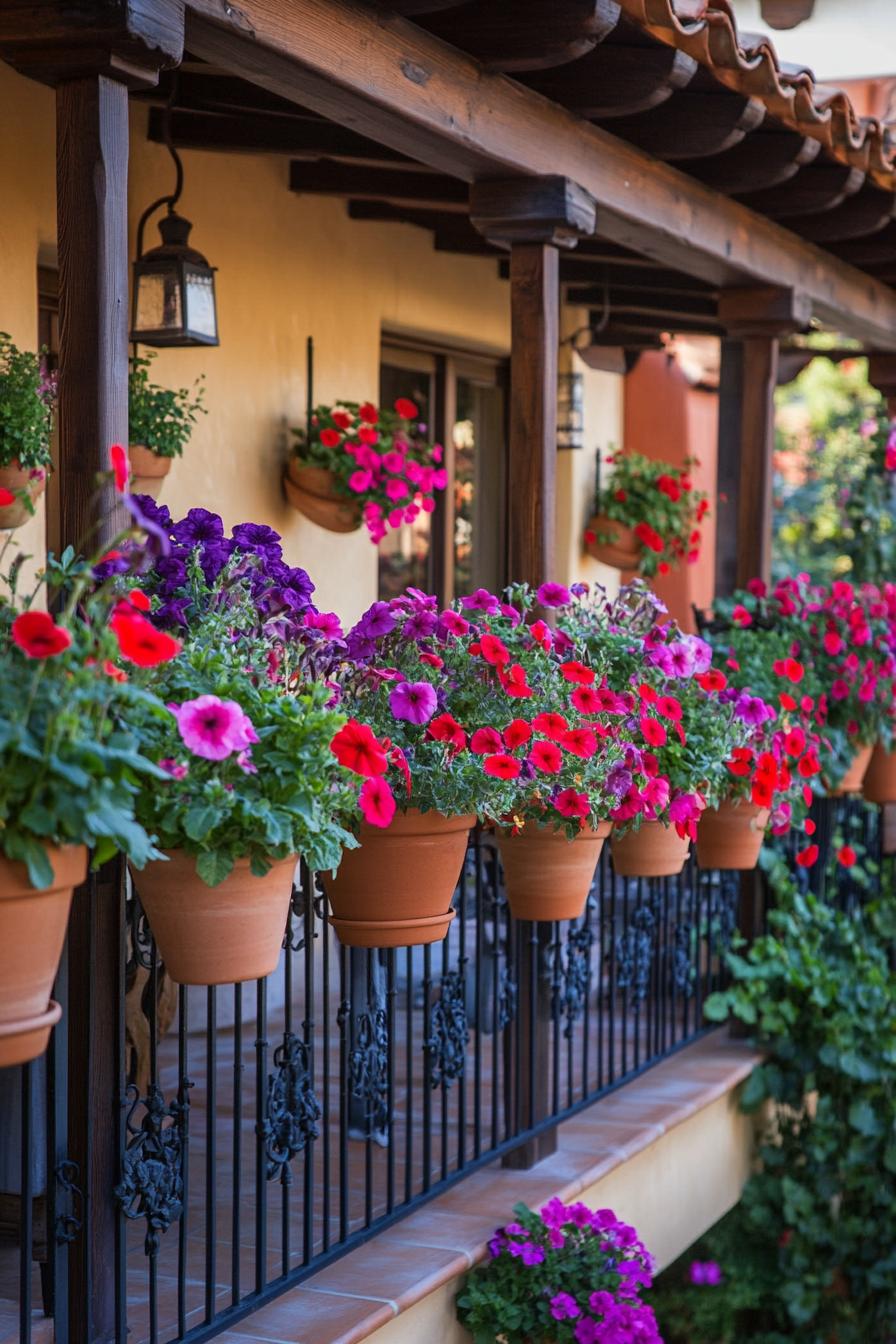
[(305, 1317)]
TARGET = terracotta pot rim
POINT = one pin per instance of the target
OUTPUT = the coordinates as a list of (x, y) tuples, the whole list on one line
[(74, 856), (388, 925), (413, 821), (178, 854), (601, 831), (24, 1026)]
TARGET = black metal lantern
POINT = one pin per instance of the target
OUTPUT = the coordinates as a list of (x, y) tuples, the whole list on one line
[(174, 286), (570, 410)]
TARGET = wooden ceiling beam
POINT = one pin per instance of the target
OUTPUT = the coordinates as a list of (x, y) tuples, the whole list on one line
[(383, 76), (617, 81), (327, 178), (299, 137), (691, 125), (575, 269), (509, 36), (625, 303), (763, 160), (818, 187)]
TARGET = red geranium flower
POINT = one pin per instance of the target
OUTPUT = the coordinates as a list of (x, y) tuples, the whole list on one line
[(356, 747), (407, 409), (571, 803), (341, 419), (669, 487), (620, 496), (485, 741), (516, 733), (369, 413), (139, 640), (546, 756), (38, 635), (330, 438), (120, 467), (740, 615), (501, 766), (649, 537), (8, 497)]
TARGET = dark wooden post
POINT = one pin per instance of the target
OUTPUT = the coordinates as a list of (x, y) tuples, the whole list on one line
[(755, 320), (91, 56), (535, 217)]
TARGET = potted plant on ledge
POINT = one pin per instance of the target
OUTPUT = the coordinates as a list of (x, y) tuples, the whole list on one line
[(160, 422), (647, 517), (27, 402)]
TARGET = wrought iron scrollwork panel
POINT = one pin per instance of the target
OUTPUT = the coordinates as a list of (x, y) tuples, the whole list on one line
[(450, 1032), (292, 1109), (152, 1183), (571, 975)]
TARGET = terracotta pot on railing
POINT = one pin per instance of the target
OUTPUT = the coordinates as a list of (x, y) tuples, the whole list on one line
[(622, 550), (148, 470), (22, 481), (730, 836), (547, 876), (396, 890), (879, 784), (216, 935), (312, 490), (852, 780), (32, 934), (654, 850)]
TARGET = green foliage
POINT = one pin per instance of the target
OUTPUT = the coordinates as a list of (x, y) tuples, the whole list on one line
[(27, 400), (657, 500), (835, 496), (160, 418), (808, 1254), (71, 764)]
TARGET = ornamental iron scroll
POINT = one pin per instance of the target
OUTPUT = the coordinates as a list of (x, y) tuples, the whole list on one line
[(571, 976), (292, 1110), (634, 952), (152, 1183), (450, 1032), (368, 1064)]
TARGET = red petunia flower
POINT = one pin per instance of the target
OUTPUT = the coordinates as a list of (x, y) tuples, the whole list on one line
[(669, 708), (571, 803), (846, 856), (620, 496), (445, 728), (6, 497), (580, 742), (585, 699), (407, 409), (578, 673), (139, 600), (740, 616), (517, 733), (807, 856), (356, 747), (501, 766), (38, 635), (494, 650), (485, 741), (652, 731), (713, 680), (546, 756), (121, 468), (514, 682), (140, 642), (552, 725)]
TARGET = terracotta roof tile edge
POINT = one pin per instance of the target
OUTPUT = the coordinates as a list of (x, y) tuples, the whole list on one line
[(749, 64)]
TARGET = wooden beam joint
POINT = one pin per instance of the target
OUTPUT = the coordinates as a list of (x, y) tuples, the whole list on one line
[(551, 210), (764, 311), (128, 42)]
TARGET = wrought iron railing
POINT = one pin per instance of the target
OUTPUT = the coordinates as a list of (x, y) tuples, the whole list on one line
[(263, 1129)]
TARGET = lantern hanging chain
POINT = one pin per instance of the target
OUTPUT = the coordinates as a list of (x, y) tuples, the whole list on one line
[(172, 198), (593, 329)]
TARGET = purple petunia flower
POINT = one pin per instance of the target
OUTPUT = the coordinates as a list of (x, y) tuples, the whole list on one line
[(706, 1273), (199, 525), (752, 709), (376, 622), (420, 625), (214, 557), (680, 659), (171, 613), (157, 513), (414, 701), (564, 1307), (157, 540), (554, 595), (258, 538), (619, 780), (482, 600)]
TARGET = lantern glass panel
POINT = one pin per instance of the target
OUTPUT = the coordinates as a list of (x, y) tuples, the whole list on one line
[(200, 300), (158, 301)]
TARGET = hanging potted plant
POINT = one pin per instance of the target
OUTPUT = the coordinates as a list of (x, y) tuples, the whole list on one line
[(71, 763), (647, 517), (565, 1275), (160, 422), (27, 403), (250, 782), (356, 461), (879, 783)]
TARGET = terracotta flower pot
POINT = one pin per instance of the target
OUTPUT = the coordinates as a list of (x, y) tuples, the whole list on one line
[(730, 836), (395, 891), (879, 784), (312, 490), (32, 480), (546, 875), (655, 850), (216, 935), (148, 470), (852, 780), (623, 551), (32, 934)]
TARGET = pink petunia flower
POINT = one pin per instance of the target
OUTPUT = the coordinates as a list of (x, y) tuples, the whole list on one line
[(377, 802), (213, 728)]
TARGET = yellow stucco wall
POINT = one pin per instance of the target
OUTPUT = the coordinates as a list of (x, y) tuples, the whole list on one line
[(289, 266)]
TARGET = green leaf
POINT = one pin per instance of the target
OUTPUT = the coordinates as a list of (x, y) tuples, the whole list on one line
[(213, 866), (200, 820), (864, 1118)]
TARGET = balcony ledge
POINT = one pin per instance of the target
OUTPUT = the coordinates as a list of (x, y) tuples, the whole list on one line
[(669, 1152)]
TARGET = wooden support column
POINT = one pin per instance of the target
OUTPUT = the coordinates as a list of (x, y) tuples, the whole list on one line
[(535, 217), (91, 54), (882, 375), (755, 320)]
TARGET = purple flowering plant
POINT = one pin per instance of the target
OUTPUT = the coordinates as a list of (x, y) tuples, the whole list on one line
[(566, 1274)]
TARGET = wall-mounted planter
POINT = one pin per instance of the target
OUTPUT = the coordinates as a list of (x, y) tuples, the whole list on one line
[(730, 836), (879, 784), (23, 481), (547, 876), (622, 550), (654, 850), (852, 780), (312, 490), (216, 935), (396, 890), (148, 470), (32, 935)]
